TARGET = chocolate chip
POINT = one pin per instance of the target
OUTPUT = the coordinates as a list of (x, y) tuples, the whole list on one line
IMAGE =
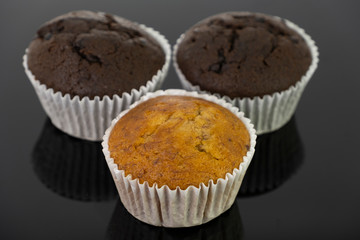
[(47, 36), (216, 67), (294, 39), (260, 19)]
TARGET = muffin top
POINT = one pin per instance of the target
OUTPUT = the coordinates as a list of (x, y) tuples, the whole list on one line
[(92, 54), (178, 141), (240, 54)]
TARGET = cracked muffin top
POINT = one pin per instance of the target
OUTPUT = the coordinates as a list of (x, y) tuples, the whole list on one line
[(92, 54), (240, 54), (178, 141)]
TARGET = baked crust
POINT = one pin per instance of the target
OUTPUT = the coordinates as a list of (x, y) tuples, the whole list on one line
[(178, 141)]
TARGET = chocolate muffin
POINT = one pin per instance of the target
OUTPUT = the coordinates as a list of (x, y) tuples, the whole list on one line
[(92, 54), (240, 54)]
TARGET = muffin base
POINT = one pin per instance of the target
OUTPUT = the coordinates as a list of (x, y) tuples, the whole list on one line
[(272, 111), (179, 208)]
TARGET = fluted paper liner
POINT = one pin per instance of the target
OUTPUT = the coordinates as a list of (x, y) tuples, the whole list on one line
[(123, 226), (179, 208), (270, 112), (87, 118)]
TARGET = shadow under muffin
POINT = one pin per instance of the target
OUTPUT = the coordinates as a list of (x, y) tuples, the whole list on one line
[(71, 167), (277, 157)]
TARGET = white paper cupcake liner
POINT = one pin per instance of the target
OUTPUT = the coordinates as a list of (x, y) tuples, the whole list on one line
[(270, 112), (179, 208), (123, 226), (87, 118)]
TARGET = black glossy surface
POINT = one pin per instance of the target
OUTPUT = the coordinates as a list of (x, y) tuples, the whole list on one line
[(304, 181)]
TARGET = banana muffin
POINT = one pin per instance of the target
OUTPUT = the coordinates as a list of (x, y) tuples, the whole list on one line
[(178, 141)]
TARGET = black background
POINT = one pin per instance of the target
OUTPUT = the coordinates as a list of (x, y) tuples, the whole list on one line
[(304, 181)]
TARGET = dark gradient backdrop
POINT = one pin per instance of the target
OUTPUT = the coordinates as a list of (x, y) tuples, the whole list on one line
[(304, 181)]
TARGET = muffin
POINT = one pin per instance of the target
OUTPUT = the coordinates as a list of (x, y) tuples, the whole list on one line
[(260, 63), (178, 158), (89, 66), (71, 167)]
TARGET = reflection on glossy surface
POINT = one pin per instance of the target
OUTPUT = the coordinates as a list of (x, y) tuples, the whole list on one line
[(277, 156), (125, 226), (72, 167)]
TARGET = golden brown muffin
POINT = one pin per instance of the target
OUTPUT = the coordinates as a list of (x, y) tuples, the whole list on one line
[(178, 141)]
